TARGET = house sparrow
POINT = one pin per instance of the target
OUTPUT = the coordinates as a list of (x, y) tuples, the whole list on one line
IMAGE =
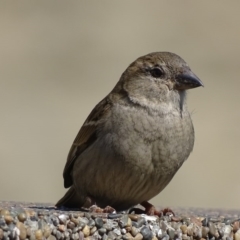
[(135, 139)]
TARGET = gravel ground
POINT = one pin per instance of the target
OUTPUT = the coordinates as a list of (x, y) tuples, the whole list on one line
[(43, 221)]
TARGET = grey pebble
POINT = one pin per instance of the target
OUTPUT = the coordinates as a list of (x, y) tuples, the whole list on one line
[(2, 221), (98, 222), (91, 223), (185, 237), (87, 215), (104, 237), (81, 235), (33, 218), (166, 237), (70, 225), (123, 220), (186, 220), (227, 231), (141, 221), (58, 235), (4, 227), (108, 226), (75, 236), (51, 237), (102, 231), (55, 220), (213, 230), (63, 218), (117, 231), (112, 235), (163, 225), (84, 221), (41, 224), (54, 232), (171, 232), (66, 234), (147, 234), (76, 229), (114, 216)]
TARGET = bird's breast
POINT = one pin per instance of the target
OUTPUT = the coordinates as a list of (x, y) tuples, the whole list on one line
[(158, 141)]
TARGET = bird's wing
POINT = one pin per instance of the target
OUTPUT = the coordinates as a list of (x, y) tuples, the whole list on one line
[(85, 137)]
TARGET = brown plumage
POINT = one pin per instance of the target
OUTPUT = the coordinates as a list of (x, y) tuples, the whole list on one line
[(134, 140)]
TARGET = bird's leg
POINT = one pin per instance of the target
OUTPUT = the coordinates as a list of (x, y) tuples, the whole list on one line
[(151, 210)]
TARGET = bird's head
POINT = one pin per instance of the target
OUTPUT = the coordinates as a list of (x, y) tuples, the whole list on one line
[(155, 76)]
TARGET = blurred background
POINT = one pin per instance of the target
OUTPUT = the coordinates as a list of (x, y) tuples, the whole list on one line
[(58, 59)]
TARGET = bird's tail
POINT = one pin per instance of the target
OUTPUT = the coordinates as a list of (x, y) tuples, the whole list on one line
[(70, 199)]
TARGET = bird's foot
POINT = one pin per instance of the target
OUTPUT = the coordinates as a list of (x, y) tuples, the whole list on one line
[(96, 209), (151, 210)]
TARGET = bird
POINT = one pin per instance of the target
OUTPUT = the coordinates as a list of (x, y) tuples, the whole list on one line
[(134, 141)]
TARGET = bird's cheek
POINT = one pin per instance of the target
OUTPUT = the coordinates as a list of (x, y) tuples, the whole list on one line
[(170, 85)]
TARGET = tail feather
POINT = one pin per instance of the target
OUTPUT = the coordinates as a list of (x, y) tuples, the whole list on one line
[(70, 199)]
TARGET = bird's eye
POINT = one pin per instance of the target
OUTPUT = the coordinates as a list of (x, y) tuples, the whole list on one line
[(156, 72)]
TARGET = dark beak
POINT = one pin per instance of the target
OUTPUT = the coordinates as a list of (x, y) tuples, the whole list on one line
[(187, 80)]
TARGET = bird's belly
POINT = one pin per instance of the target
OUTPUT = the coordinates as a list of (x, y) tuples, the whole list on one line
[(132, 168)]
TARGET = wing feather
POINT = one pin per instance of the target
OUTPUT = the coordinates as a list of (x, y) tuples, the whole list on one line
[(85, 137)]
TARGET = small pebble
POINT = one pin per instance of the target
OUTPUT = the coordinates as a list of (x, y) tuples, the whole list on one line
[(83, 221), (237, 235), (81, 235), (141, 221), (105, 237), (112, 235), (61, 228), (71, 225), (123, 220), (63, 218), (102, 231), (51, 237), (205, 231), (59, 235), (134, 231), (133, 217), (4, 212), (1, 234), (190, 230), (184, 229), (39, 235), (23, 231), (8, 218), (227, 231), (22, 217), (171, 233), (47, 231), (147, 234), (114, 216), (117, 231), (236, 226), (98, 222), (74, 221), (212, 230), (93, 230), (139, 236), (86, 231), (127, 236)]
